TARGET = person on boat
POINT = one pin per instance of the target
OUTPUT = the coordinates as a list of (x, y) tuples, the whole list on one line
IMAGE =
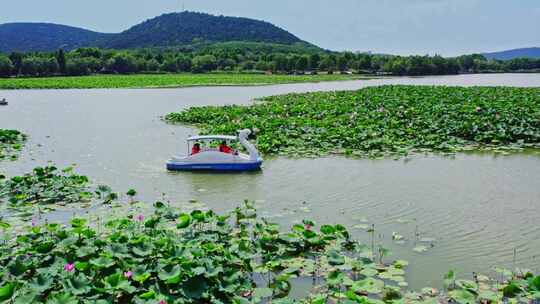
[(224, 148), (196, 149)]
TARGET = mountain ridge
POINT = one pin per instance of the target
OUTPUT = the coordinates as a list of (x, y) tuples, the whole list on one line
[(530, 52), (41, 36), (184, 28), (170, 29)]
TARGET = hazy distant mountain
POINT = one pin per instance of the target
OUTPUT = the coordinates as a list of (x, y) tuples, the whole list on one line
[(30, 37), (533, 52), (175, 29)]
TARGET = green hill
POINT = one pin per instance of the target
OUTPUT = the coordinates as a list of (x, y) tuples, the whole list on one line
[(33, 37), (168, 30), (533, 52), (188, 27)]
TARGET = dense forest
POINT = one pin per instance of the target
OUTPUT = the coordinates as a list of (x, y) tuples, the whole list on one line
[(34, 37), (248, 58), (177, 29), (167, 30)]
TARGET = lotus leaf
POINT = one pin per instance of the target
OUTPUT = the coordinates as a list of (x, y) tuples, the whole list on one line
[(489, 296), (25, 296), (369, 285), (41, 282), (512, 290), (102, 262), (195, 287), (141, 274), (183, 221), (369, 272), (462, 296), (335, 258), (170, 272), (327, 229), (62, 298), (6, 291), (142, 249), (534, 284), (467, 284), (77, 285)]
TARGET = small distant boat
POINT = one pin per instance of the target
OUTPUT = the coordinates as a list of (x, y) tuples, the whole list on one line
[(211, 159), (3, 102)]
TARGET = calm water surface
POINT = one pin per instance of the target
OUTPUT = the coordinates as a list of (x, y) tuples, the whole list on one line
[(477, 208)]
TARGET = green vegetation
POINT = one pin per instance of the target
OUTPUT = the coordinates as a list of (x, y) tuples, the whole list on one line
[(167, 30), (46, 188), (161, 80), (174, 42), (177, 29), (11, 142), (245, 57), (45, 185), (202, 257), (387, 120), (248, 48), (174, 256), (35, 37)]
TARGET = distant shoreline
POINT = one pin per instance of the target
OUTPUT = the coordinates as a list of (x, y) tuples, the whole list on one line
[(185, 80), (147, 81)]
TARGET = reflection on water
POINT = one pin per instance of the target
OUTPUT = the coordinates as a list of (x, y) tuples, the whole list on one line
[(476, 208)]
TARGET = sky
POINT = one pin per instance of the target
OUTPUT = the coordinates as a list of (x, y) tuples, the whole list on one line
[(446, 27)]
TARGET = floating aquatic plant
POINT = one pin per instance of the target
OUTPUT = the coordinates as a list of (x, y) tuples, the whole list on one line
[(378, 121), (11, 143), (171, 256), (131, 194), (44, 186), (176, 256), (46, 189), (163, 80)]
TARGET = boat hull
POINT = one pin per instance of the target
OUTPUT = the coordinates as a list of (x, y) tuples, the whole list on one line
[(223, 167)]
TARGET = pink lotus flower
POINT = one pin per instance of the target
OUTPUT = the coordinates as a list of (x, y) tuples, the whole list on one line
[(128, 274), (69, 267), (140, 217), (307, 227), (162, 302), (478, 109)]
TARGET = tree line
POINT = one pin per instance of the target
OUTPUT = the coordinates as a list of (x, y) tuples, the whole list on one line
[(86, 61)]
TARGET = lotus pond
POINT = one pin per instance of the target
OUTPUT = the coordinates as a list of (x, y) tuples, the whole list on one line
[(378, 121), (174, 256), (47, 189), (468, 211), (162, 80), (11, 142)]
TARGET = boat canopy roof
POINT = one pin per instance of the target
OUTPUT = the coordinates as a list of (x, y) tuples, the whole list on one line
[(212, 137)]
